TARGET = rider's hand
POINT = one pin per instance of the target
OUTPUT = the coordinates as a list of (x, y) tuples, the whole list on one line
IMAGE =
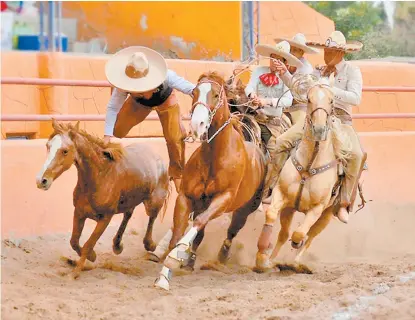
[(107, 139), (280, 67), (256, 102)]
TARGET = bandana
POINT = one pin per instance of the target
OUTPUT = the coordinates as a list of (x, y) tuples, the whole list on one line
[(269, 79)]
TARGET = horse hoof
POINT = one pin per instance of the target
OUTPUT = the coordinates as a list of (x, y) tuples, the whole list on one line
[(297, 245), (92, 256), (117, 249), (152, 257), (223, 255), (187, 269), (74, 275), (162, 283), (262, 262), (150, 246)]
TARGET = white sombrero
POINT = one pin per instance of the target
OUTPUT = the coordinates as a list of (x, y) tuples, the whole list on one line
[(281, 49), (338, 41), (298, 41), (136, 69)]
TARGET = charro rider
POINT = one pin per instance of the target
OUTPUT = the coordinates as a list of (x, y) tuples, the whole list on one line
[(297, 111), (266, 90), (347, 93), (143, 83)]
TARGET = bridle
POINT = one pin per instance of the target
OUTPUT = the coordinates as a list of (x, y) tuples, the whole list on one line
[(310, 133), (211, 111)]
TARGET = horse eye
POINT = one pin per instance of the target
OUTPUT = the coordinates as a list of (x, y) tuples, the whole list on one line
[(65, 152)]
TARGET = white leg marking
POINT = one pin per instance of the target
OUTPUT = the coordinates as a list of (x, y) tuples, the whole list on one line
[(55, 145)]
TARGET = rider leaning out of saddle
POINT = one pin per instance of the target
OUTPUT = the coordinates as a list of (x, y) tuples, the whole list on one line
[(143, 83), (347, 94)]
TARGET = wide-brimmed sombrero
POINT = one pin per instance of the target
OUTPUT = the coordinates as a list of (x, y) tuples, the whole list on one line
[(298, 41), (281, 49), (337, 41), (136, 69)]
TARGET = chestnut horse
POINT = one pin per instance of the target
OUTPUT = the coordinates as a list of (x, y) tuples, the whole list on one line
[(111, 179), (225, 174)]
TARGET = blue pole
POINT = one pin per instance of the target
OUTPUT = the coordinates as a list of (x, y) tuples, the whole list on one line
[(257, 21), (251, 27), (41, 27), (51, 27), (59, 4)]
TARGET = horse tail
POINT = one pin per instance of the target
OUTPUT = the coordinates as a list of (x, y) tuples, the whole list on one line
[(166, 201)]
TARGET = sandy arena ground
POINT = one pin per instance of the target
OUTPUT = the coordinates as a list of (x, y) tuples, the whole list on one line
[(364, 270)]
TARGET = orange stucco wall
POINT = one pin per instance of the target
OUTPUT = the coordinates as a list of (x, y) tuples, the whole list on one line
[(286, 18), (192, 29), (183, 29), (78, 100), (28, 211)]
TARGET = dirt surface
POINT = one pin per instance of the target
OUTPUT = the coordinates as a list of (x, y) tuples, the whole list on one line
[(363, 270)]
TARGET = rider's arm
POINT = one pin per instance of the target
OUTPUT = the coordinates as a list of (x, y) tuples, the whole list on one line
[(251, 87), (353, 93), (285, 101), (114, 106), (179, 83), (306, 68)]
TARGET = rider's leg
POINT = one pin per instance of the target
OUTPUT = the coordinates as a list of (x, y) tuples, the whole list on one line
[(174, 133), (353, 169), (130, 115), (283, 145)]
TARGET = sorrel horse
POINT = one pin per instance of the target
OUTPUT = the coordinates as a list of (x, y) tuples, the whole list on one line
[(309, 182), (111, 179), (225, 174)]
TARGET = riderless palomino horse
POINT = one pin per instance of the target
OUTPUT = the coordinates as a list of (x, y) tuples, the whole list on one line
[(225, 174), (111, 179), (309, 182)]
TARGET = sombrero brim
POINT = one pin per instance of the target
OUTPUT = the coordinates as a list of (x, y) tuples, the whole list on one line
[(115, 70), (298, 45), (266, 50), (351, 46)]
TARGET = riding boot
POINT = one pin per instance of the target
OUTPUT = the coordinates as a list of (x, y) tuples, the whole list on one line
[(354, 168), (174, 133)]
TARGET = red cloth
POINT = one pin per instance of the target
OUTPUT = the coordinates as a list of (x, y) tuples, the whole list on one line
[(269, 79), (4, 6)]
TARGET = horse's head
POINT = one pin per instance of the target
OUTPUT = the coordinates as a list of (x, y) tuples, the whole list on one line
[(319, 109), (61, 154), (209, 96)]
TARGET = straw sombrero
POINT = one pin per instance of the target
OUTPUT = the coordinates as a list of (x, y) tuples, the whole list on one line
[(282, 49), (299, 41), (136, 69), (338, 41)]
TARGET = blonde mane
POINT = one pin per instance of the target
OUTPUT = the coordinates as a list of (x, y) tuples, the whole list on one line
[(116, 150)]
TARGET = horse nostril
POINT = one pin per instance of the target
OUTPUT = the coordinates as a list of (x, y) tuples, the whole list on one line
[(202, 124), (44, 181)]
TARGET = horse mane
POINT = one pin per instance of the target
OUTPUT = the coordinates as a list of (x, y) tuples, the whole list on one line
[(114, 150), (342, 145), (214, 76)]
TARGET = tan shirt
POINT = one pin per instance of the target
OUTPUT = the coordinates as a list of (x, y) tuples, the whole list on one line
[(347, 87)]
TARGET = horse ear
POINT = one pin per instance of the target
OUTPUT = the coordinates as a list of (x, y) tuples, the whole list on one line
[(108, 154), (331, 79), (76, 127), (239, 83), (55, 124)]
